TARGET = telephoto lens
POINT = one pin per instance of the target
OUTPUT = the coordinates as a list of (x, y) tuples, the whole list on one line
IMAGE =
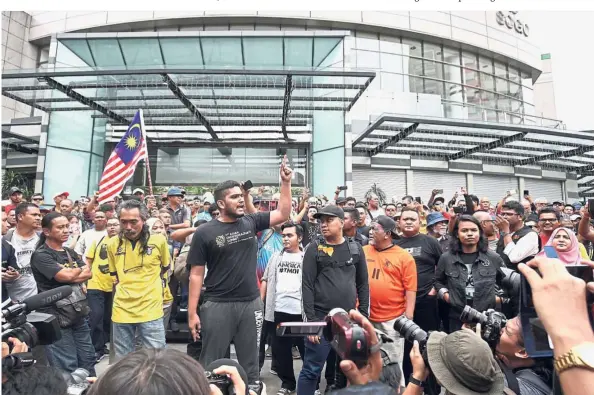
[(472, 316), (410, 331)]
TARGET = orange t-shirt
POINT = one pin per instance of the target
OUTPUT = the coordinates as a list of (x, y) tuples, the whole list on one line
[(392, 272)]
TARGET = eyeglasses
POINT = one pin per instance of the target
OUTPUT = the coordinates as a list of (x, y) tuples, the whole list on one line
[(549, 220), (37, 198)]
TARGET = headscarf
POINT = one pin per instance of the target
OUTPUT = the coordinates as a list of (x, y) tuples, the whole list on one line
[(569, 257), (151, 222)]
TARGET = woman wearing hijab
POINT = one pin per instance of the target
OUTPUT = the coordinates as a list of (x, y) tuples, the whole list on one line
[(569, 249), (156, 226)]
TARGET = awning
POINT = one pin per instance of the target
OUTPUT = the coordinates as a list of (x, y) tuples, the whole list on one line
[(429, 138), (194, 104)]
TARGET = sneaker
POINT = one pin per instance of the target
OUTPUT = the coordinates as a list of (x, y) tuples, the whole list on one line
[(268, 352), (295, 352), (318, 392), (285, 391), (174, 326), (258, 387), (99, 356), (272, 371)]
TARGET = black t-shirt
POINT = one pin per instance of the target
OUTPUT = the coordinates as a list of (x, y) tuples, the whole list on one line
[(469, 260), (311, 230), (364, 230), (426, 251), (45, 264), (229, 251)]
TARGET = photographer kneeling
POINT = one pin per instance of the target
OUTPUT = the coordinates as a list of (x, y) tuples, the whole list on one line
[(523, 375)]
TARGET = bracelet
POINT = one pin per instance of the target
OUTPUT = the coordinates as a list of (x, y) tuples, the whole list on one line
[(416, 382)]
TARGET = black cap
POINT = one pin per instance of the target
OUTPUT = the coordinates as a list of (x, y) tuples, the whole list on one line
[(15, 190), (341, 200), (330, 210), (386, 222)]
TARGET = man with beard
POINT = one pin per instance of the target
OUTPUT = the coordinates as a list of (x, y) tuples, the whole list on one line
[(16, 198), (517, 243), (138, 261), (227, 246)]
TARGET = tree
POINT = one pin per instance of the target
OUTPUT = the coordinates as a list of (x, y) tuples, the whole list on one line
[(13, 179), (378, 192)]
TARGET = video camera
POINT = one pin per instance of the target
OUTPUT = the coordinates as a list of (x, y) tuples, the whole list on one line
[(492, 322), (348, 338), (30, 327)]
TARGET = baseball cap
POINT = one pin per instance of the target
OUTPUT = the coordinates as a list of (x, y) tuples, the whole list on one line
[(138, 190), (575, 216), (15, 190), (341, 200), (439, 199), (558, 202), (330, 210), (387, 223), (65, 194), (174, 191)]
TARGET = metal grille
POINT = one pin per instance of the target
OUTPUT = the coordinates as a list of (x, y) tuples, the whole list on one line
[(392, 182), (548, 189), (426, 181), (493, 187)]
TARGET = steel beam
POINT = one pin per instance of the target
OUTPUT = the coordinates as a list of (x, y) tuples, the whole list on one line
[(557, 155), (20, 148), (188, 104), (27, 140), (487, 146), (286, 105), (394, 139), (198, 97), (24, 101), (84, 100)]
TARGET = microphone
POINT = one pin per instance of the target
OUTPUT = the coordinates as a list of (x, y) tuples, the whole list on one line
[(38, 301)]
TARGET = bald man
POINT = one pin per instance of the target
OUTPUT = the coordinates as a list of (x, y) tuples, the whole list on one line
[(485, 204), (489, 229)]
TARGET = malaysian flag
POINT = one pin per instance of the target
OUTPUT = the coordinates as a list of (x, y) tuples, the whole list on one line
[(122, 162)]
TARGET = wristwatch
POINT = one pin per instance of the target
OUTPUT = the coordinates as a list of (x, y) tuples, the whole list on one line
[(580, 356), (416, 382)]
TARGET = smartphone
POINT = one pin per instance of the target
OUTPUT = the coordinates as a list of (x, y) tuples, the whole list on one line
[(550, 252), (342, 188), (247, 185), (418, 200), (536, 339), (300, 329), (458, 210), (439, 191), (591, 207), (526, 192), (511, 192)]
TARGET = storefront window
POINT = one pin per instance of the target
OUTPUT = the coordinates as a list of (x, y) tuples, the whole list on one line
[(413, 46), (433, 69), (485, 65), (432, 51), (500, 69), (487, 82), (514, 75), (469, 60), (502, 86)]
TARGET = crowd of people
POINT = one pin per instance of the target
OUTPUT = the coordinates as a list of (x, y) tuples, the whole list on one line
[(241, 265)]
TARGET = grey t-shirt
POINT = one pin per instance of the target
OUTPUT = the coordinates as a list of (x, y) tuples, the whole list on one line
[(493, 245), (288, 283), (24, 286)]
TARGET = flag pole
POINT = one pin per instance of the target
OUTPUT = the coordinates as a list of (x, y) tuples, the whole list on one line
[(146, 158)]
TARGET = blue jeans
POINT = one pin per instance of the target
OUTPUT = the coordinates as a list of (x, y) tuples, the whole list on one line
[(313, 363), (74, 350), (151, 334)]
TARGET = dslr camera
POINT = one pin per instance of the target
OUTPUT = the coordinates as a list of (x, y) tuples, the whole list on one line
[(221, 381), (492, 322), (348, 338), (410, 332)]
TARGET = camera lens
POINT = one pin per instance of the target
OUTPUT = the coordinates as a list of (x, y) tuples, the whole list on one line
[(409, 330), (472, 316)]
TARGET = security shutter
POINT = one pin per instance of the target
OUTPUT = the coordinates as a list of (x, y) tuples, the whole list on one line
[(548, 189), (391, 181), (493, 186), (424, 182)]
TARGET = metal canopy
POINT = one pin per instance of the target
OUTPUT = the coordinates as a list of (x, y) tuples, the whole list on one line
[(279, 103), (442, 139), (18, 142)]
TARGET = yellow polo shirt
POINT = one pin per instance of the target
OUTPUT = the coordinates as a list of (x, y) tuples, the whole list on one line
[(101, 279), (139, 293)]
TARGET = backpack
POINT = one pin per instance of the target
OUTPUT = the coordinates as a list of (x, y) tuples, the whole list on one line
[(10, 233), (353, 250)]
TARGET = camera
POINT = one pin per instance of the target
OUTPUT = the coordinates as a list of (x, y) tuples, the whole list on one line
[(348, 338), (492, 322), (221, 381), (34, 329), (410, 332), (77, 381)]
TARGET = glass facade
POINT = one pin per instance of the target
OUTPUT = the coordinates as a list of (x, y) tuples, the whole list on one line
[(238, 106), (470, 86)]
